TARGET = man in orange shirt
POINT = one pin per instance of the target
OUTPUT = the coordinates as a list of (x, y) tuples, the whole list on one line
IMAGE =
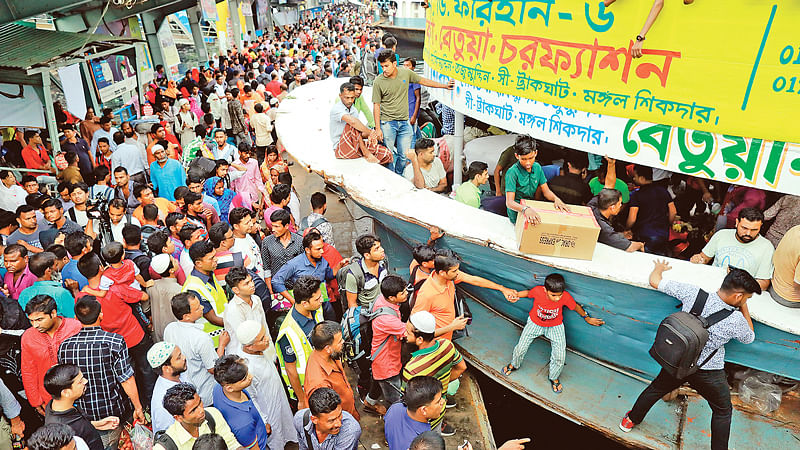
[(325, 368), (35, 154), (144, 194), (437, 294)]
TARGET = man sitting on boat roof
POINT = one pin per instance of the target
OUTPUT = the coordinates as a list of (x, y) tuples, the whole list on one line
[(351, 138), (742, 247)]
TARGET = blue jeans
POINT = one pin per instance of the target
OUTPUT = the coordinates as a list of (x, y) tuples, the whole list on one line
[(397, 138)]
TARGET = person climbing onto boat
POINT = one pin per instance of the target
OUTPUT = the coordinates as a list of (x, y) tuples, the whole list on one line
[(522, 181), (710, 381), (351, 138), (546, 318)]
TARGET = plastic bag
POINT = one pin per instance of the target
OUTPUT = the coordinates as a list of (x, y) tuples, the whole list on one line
[(765, 397), (141, 437)]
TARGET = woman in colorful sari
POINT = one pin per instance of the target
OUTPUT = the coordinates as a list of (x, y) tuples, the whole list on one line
[(215, 187)]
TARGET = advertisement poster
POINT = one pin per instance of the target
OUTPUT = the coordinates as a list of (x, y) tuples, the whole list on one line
[(209, 8), (765, 164), (171, 57), (114, 75), (729, 67)]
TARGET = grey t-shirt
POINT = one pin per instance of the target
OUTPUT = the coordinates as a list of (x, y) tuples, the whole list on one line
[(608, 235), (32, 239), (392, 94)]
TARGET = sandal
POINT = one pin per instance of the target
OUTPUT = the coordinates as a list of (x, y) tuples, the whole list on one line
[(508, 369), (556, 385)]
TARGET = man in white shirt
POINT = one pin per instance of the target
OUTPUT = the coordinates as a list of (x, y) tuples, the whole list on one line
[(743, 248), (195, 344), (11, 194), (426, 171), (105, 131), (166, 359), (129, 155)]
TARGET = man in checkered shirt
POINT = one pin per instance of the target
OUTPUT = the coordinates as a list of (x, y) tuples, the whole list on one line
[(103, 359)]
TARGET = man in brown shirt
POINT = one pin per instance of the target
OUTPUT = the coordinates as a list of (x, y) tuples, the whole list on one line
[(325, 368)]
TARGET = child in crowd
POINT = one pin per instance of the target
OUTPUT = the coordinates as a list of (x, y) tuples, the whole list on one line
[(546, 318), (119, 270)]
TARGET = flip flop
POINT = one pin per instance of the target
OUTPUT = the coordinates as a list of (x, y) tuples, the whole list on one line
[(508, 369), (559, 388)]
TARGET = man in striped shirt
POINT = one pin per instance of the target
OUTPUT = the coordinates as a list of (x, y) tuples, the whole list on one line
[(435, 357)]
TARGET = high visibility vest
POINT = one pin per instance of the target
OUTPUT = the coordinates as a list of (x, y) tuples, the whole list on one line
[(215, 296), (300, 345)]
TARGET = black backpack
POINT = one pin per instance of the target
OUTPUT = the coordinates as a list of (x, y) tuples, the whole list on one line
[(407, 306), (166, 441), (681, 337)]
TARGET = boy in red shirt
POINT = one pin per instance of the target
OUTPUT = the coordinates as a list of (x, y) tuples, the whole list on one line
[(545, 318)]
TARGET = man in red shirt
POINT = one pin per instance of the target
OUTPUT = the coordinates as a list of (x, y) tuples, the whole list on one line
[(545, 318), (35, 154), (387, 331), (40, 346)]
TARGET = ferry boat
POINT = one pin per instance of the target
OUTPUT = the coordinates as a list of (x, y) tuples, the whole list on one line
[(606, 367)]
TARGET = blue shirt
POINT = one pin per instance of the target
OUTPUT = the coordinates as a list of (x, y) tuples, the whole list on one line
[(243, 418), (64, 300), (346, 439), (297, 267), (70, 272), (400, 429), (166, 179), (412, 98)]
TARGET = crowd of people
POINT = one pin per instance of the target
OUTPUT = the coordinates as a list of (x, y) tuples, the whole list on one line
[(162, 273)]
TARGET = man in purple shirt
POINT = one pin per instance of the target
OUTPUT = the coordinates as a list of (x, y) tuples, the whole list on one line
[(18, 277)]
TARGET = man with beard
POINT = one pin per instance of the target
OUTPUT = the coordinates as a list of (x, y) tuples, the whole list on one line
[(168, 361), (350, 137), (159, 133), (325, 368), (743, 248), (165, 173), (325, 421)]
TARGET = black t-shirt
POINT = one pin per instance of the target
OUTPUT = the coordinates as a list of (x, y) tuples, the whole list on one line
[(652, 219), (80, 425), (571, 189)]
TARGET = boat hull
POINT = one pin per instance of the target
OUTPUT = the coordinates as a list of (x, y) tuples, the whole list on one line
[(607, 367)]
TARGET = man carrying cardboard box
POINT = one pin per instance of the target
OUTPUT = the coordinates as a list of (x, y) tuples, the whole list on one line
[(522, 180)]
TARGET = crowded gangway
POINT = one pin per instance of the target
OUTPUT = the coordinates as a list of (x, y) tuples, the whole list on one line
[(160, 274)]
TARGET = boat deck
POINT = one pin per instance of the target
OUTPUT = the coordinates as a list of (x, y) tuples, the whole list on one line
[(603, 395)]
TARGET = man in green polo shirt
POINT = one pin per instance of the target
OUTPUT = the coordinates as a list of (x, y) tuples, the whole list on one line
[(523, 179)]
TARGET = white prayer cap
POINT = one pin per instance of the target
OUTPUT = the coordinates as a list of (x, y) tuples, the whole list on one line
[(248, 331)]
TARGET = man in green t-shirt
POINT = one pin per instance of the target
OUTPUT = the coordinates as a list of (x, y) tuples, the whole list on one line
[(390, 110), (523, 179), (607, 178)]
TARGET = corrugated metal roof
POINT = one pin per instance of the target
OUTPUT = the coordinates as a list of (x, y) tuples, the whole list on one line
[(26, 47)]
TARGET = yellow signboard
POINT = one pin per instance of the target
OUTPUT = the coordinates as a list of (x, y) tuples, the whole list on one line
[(728, 67)]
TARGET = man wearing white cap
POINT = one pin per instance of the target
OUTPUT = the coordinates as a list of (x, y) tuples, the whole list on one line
[(168, 361), (166, 174), (266, 389), (436, 358), (162, 291)]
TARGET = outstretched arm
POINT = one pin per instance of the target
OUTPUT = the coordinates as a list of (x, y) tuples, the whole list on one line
[(433, 84), (636, 51)]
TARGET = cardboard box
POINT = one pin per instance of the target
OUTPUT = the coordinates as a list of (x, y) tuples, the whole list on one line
[(566, 234)]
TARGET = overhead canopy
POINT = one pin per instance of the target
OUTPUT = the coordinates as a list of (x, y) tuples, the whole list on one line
[(26, 48)]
